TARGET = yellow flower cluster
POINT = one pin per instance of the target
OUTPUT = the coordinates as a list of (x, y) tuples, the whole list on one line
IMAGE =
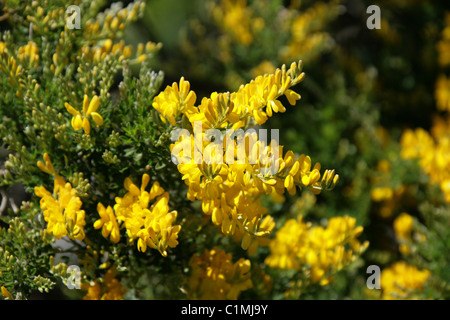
[(307, 37), (109, 289), (11, 68), (265, 67), (214, 276), (430, 149), (230, 192), (432, 152), (113, 21), (322, 251), (237, 19), (263, 92), (252, 104), (402, 281), (29, 54), (151, 226), (62, 209), (80, 120), (174, 101), (405, 232)]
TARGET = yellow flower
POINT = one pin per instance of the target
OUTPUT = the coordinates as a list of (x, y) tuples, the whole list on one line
[(285, 246), (81, 120), (308, 39), (443, 46), (252, 104), (214, 112), (48, 166), (264, 67), (215, 276), (151, 226), (431, 149), (158, 232), (108, 223), (323, 251), (2, 47), (106, 48), (256, 235), (110, 289), (6, 293), (237, 19), (62, 210), (174, 101), (387, 198), (263, 92), (92, 291), (381, 193), (403, 225), (402, 281), (13, 70)]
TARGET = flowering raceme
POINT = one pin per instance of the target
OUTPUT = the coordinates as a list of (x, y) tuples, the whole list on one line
[(62, 209), (230, 190), (214, 276), (323, 251), (307, 36), (405, 232), (442, 93), (236, 19), (443, 46), (432, 152), (11, 68), (151, 226)]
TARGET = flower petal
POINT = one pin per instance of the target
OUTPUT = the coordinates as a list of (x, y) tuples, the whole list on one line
[(93, 105), (86, 126), (85, 104), (98, 119), (71, 109), (77, 122)]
